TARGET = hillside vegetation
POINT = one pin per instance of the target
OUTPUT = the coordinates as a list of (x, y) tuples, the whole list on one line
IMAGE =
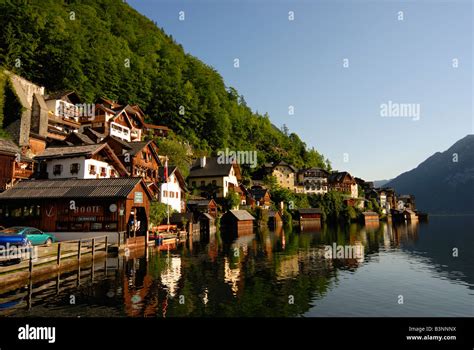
[(106, 48)]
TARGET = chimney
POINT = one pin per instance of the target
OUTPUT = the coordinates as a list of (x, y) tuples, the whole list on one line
[(202, 162)]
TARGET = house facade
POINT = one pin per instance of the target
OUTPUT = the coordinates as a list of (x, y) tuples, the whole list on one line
[(214, 180), (284, 173), (343, 182), (172, 190), (313, 180), (82, 162), (13, 165)]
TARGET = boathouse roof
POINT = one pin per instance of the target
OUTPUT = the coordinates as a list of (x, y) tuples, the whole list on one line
[(241, 215), (310, 211), (74, 188)]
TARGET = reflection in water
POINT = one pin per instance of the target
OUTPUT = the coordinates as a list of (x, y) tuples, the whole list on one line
[(258, 275)]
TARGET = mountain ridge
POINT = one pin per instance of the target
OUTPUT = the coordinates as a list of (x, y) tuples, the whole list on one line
[(444, 182)]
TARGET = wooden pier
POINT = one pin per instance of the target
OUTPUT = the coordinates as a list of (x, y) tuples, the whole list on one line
[(58, 256)]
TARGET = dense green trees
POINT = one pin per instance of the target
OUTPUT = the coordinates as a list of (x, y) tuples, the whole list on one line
[(105, 48)]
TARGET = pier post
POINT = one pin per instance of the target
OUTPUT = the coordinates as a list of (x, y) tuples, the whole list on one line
[(79, 246), (58, 262)]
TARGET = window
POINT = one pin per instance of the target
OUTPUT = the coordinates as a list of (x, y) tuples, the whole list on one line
[(103, 172), (165, 194), (144, 156), (75, 168), (57, 169), (171, 194), (113, 173), (177, 194), (92, 169)]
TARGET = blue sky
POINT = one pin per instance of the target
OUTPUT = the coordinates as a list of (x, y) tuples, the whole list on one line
[(299, 63)]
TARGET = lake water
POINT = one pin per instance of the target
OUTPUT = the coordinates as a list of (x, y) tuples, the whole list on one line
[(405, 270)]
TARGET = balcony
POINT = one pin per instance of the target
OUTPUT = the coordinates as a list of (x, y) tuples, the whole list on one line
[(22, 173)]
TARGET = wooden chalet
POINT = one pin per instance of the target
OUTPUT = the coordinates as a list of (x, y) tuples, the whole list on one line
[(261, 197), (126, 122), (13, 165), (202, 205), (310, 218), (237, 223), (343, 182), (116, 204)]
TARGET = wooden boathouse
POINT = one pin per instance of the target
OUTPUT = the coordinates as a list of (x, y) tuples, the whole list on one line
[(310, 218), (78, 205), (237, 223)]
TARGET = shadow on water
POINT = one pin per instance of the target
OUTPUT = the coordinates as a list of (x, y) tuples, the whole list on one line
[(268, 273)]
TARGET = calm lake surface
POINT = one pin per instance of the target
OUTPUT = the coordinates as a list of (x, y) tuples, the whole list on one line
[(273, 274)]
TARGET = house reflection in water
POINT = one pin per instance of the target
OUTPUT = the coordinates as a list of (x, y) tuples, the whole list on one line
[(171, 274)]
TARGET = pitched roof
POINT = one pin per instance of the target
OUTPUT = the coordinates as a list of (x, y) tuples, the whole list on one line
[(69, 95), (80, 137), (338, 176), (258, 192), (70, 151), (136, 147), (93, 134), (8, 147), (212, 168), (199, 202), (309, 211), (207, 216), (73, 188), (241, 215)]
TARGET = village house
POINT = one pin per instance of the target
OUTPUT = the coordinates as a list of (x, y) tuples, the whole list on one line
[(214, 180), (381, 197), (202, 205), (261, 197), (172, 189), (343, 182), (64, 110), (365, 185), (406, 201), (284, 173), (82, 162), (246, 200), (13, 165), (313, 180), (126, 122)]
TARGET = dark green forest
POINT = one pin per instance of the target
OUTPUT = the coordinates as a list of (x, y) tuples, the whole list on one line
[(106, 48)]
